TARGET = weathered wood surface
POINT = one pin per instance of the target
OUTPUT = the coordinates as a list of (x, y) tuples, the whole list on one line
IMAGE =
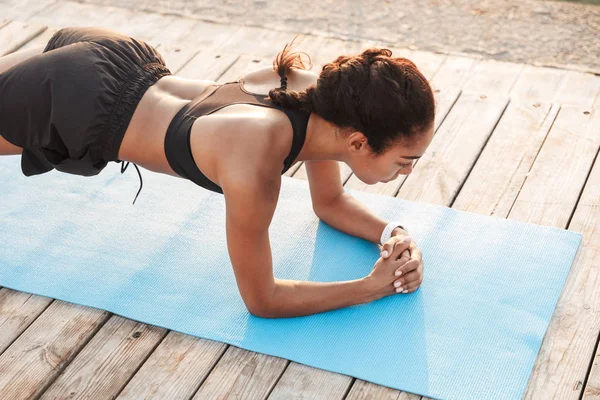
[(511, 141)]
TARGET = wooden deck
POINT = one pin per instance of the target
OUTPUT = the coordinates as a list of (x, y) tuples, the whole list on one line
[(512, 140)]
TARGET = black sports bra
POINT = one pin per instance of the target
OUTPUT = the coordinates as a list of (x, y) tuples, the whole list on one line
[(215, 97)]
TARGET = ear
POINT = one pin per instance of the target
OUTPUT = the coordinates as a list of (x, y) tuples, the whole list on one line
[(357, 141)]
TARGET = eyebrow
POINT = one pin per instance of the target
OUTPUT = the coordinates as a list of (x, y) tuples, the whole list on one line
[(411, 157)]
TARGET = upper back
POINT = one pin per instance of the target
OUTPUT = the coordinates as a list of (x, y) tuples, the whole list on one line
[(227, 129)]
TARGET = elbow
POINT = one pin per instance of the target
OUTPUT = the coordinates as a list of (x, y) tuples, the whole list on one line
[(262, 311), (320, 213), (259, 308), (323, 209)]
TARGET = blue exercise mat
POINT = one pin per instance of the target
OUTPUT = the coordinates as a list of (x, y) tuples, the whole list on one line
[(472, 331)]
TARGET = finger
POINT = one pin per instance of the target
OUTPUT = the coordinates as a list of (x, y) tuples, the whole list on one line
[(406, 288), (401, 261), (405, 256), (389, 246), (403, 269), (412, 278), (400, 247), (415, 252), (411, 289)]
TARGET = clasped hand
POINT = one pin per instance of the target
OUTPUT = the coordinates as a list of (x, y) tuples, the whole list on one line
[(400, 267)]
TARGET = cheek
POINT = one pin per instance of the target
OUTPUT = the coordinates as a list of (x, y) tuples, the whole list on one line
[(368, 173)]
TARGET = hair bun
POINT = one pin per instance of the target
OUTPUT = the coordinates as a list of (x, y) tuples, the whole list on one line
[(373, 53)]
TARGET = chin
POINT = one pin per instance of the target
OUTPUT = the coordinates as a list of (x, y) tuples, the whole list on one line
[(367, 181)]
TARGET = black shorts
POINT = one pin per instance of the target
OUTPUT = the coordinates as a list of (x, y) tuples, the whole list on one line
[(69, 107)]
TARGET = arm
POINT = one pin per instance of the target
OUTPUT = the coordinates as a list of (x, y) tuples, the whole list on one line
[(338, 208), (250, 204)]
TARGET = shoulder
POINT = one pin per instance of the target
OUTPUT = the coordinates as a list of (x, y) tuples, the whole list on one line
[(255, 149)]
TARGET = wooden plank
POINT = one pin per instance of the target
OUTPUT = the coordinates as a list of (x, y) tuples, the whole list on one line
[(495, 181), (362, 390), (103, 367), (172, 44), (139, 24), (234, 66), (537, 85), (583, 288), (23, 10), (16, 34), (41, 39), (323, 50), (209, 64), (579, 89), (191, 37), (428, 63), (212, 36), (570, 149), (445, 165), (66, 13), (300, 381), (242, 374), (447, 84), (175, 369), (40, 354), (17, 311), (493, 77), (548, 198), (259, 42)]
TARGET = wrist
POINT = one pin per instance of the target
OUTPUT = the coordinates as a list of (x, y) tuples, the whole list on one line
[(367, 289), (399, 231), (388, 231)]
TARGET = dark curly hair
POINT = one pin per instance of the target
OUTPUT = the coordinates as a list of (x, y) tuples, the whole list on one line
[(386, 98)]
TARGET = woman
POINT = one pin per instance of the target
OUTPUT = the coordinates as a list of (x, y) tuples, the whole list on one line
[(92, 96)]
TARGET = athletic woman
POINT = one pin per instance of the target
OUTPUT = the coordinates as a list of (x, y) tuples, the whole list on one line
[(92, 96)]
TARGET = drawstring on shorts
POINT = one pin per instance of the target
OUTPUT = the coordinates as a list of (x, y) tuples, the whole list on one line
[(123, 168)]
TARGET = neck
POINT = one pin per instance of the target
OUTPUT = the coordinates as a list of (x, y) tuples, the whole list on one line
[(321, 142)]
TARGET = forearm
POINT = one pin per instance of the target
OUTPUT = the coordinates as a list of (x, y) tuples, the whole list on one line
[(350, 216), (299, 298)]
